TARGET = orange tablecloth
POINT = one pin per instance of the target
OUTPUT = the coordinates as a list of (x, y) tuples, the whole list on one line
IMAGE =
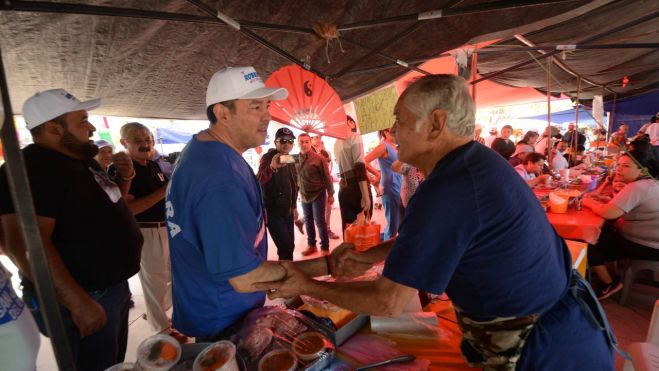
[(581, 225), (442, 352)]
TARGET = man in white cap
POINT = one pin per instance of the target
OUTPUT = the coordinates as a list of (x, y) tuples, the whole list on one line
[(215, 215), (89, 266)]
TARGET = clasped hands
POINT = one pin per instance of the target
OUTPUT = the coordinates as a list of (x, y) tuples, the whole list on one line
[(344, 261)]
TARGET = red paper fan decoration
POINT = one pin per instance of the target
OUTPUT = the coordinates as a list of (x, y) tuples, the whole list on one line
[(312, 105)]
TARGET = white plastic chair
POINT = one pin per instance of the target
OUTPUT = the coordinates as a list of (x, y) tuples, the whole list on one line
[(645, 356)]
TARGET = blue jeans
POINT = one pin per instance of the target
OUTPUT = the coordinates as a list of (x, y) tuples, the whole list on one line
[(315, 210), (103, 348), (393, 211), (280, 225)]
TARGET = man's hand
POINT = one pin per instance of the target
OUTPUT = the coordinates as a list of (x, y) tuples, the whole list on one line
[(345, 261), (88, 316), (123, 164), (366, 203), (296, 283), (276, 163)]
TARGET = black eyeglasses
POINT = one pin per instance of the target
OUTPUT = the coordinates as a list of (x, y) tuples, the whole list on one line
[(286, 141)]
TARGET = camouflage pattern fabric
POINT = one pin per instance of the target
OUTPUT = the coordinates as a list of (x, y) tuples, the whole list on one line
[(496, 344)]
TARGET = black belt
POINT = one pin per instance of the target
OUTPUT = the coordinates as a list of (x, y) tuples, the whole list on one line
[(151, 224)]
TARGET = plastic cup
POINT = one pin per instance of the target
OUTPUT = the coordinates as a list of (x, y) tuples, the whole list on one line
[(158, 353), (124, 366), (548, 181), (557, 203), (565, 174), (220, 356), (309, 345), (278, 360)]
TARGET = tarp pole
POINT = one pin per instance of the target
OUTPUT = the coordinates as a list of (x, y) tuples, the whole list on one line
[(611, 118), (549, 141), (575, 138), (22, 197), (474, 61)]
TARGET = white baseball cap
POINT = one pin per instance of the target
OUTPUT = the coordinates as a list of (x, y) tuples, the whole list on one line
[(102, 143), (239, 83), (46, 105)]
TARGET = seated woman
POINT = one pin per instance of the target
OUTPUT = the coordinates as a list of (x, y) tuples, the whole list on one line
[(531, 169), (635, 209)]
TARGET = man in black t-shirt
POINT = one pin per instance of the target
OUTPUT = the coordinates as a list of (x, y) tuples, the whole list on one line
[(146, 199), (76, 205)]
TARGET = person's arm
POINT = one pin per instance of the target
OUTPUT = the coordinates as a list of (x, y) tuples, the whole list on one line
[(607, 210), (339, 264), (123, 171), (266, 170), (537, 180), (377, 152), (328, 181), (138, 205), (379, 297), (87, 314)]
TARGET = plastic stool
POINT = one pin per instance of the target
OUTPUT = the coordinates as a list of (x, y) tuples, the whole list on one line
[(633, 267)]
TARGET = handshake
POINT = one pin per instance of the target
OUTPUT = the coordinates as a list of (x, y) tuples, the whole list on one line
[(343, 262)]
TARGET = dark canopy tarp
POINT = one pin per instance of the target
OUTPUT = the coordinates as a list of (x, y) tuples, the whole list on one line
[(154, 68), (603, 66)]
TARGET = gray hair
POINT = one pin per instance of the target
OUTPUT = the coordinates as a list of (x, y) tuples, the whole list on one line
[(130, 127), (448, 93)]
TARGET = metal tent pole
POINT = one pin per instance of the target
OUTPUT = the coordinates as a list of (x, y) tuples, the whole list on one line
[(22, 198), (575, 139), (549, 137)]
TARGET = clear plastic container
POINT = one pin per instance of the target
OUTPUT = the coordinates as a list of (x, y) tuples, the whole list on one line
[(278, 360), (158, 353), (220, 356), (309, 345), (125, 366)]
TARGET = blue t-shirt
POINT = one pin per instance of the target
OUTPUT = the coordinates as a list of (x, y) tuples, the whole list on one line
[(217, 232), (475, 230)]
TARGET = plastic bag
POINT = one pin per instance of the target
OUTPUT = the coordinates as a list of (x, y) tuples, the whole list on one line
[(363, 233)]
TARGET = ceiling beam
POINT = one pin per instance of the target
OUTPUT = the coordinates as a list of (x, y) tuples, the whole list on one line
[(67, 8), (447, 12), (584, 41), (247, 32)]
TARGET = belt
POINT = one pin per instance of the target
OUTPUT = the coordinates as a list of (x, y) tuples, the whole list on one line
[(151, 224)]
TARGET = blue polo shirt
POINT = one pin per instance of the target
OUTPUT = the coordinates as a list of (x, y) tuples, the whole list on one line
[(475, 230), (216, 232)]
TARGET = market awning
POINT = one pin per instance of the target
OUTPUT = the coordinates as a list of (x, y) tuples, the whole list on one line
[(154, 58)]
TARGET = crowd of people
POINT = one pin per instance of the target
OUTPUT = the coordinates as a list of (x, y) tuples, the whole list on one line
[(197, 236)]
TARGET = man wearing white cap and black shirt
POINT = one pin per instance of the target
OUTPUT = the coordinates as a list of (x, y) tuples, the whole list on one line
[(76, 204), (215, 215)]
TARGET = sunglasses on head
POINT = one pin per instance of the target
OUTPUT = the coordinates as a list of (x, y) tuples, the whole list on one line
[(285, 141)]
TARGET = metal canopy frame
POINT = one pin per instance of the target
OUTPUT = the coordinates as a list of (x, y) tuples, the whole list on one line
[(17, 177), (24, 208)]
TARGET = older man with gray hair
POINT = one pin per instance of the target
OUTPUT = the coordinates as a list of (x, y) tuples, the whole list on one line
[(475, 230)]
